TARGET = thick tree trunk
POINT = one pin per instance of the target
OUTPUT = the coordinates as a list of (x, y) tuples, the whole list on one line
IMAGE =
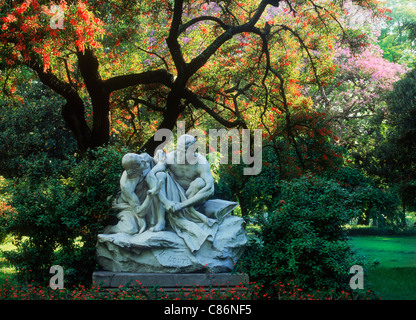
[(170, 116), (73, 114), (73, 111), (100, 97)]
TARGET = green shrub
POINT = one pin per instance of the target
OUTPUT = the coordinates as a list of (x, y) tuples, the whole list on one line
[(33, 136), (376, 203), (60, 217), (304, 239), (280, 162)]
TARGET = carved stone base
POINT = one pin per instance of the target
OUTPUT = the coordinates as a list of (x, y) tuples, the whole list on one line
[(165, 252)]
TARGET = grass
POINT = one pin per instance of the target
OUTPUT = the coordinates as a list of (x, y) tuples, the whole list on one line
[(394, 283), (394, 258), (389, 251), (6, 269)]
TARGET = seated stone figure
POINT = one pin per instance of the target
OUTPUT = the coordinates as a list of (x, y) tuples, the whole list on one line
[(132, 217), (185, 188), (167, 223)]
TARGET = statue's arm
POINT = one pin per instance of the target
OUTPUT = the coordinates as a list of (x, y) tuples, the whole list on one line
[(141, 211), (127, 187), (151, 178)]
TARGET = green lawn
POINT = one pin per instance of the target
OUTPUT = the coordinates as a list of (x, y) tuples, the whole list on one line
[(395, 276), (6, 270)]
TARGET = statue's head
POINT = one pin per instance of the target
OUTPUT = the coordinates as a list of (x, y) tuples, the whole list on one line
[(185, 141), (135, 164)]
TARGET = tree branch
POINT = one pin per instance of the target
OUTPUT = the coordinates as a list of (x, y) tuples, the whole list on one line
[(157, 55), (172, 39), (147, 104), (191, 22), (48, 78), (147, 77), (73, 111), (315, 72), (249, 26), (197, 103)]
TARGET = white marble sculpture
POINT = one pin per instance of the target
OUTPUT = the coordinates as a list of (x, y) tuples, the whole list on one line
[(167, 223)]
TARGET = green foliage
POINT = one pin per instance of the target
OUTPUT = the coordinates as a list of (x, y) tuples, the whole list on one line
[(302, 237), (379, 204), (312, 151), (398, 36), (33, 137), (394, 158), (60, 217), (407, 191), (249, 190), (401, 144), (304, 240)]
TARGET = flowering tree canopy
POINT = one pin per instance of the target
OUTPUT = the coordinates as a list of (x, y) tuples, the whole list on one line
[(355, 102), (243, 64)]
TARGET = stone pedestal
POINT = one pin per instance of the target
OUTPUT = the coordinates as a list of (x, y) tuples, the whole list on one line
[(167, 281)]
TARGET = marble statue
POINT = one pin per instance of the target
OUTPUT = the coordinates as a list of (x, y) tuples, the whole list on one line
[(166, 219)]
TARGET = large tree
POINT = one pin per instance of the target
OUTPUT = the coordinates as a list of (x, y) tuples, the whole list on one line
[(243, 64)]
